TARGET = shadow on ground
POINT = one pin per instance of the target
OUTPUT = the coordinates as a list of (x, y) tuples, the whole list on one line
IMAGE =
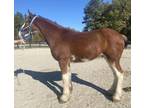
[(49, 78)]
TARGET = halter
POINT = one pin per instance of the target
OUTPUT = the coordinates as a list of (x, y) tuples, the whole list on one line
[(26, 36)]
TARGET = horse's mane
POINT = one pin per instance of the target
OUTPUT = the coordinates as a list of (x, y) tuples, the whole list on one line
[(58, 25)]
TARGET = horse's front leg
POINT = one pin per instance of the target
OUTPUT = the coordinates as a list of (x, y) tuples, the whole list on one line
[(66, 78)]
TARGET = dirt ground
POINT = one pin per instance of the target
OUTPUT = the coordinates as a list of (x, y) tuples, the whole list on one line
[(38, 82)]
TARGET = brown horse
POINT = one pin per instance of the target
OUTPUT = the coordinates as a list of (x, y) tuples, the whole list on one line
[(71, 46), (20, 42)]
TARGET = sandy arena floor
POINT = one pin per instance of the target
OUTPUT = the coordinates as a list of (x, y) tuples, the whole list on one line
[(40, 82)]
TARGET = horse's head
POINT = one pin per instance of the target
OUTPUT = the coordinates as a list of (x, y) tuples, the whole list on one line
[(26, 30)]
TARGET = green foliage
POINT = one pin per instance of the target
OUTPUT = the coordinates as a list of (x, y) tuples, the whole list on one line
[(18, 21), (115, 15)]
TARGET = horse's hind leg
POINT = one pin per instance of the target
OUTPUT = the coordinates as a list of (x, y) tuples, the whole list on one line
[(118, 79), (113, 87), (119, 75), (66, 77)]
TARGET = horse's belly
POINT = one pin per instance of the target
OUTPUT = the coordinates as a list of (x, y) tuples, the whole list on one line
[(83, 58), (86, 52)]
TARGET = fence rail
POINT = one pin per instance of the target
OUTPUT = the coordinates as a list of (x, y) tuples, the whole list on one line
[(34, 44)]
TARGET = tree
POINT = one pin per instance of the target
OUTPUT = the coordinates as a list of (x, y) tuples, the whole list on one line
[(18, 21), (115, 15), (95, 13)]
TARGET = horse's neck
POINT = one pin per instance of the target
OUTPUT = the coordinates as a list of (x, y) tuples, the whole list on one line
[(50, 32)]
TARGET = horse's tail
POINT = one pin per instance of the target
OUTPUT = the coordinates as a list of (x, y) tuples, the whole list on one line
[(125, 39)]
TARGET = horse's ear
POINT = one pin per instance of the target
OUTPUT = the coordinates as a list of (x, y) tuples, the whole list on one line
[(29, 13)]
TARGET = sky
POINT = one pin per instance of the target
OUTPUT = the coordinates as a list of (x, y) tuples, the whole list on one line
[(68, 13)]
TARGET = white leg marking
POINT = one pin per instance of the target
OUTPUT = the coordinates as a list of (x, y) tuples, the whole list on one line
[(84, 60), (118, 80), (73, 58), (119, 77), (66, 85)]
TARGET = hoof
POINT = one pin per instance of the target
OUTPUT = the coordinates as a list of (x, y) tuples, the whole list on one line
[(116, 99), (64, 99)]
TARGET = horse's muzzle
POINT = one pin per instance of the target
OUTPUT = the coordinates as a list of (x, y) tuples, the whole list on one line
[(25, 36)]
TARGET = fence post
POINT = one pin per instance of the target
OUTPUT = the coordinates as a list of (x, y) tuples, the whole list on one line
[(17, 45), (29, 44), (39, 44)]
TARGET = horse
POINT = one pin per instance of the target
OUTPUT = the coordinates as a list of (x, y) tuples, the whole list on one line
[(69, 46), (20, 42)]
